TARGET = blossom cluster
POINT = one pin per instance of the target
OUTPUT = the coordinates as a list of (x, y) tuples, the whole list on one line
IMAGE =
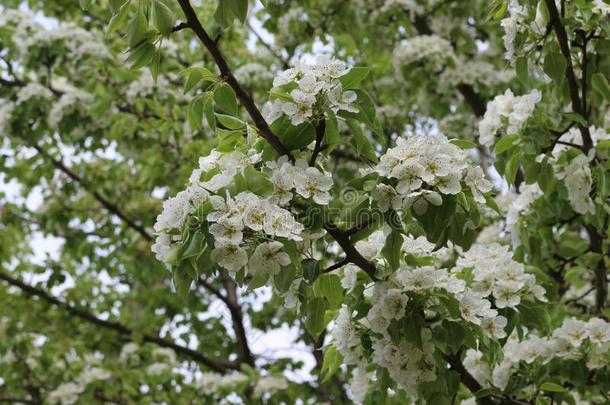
[(244, 222), (512, 24), (431, 49), (506, 111), (483, 280), (574, 340), (315, 88), (425, 167), (29, 34), (474, 72), (577, 178)]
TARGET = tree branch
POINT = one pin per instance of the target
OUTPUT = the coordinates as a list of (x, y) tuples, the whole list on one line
[(216, 365), (562, 38), (227, 75), (351, 253), (99, 197)]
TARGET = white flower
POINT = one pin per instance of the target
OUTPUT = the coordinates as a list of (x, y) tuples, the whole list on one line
[(342, 100), (227, 232), (269, 258), (448, 184), (507, 107), (573, 330), (506, 294), (393, 304), (66, 393), (229, 257), (419, 200), (312, 183), (479, 185), (269, 385), (494, 326), (93, 374), (600, 6), (418, 279), (386, 197), (256, 215), (157, 369), (472, 307), (599, 331)]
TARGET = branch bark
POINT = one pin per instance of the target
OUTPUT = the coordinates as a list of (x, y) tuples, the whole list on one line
[(216, 365), (227, 75)]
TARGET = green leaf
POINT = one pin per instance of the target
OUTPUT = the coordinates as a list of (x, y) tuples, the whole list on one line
[(331, 132), (141, 55), (230, 122), (182, 282), (512, 166), (352, 78), (555, 66), (552, 387), (600, 84), (311, 270), (392, 249), (330, 288), (463, 143), (505, 143), (208, 109), (224, 13), (257, 181), (363, 145), (196, 74), (118, 18), (225, 99), (84, 4), (195, 113), (239, 8), (162, 17), (331, 363), (136, 30), (314, 322), (522, 70), (293, 137), (116, 5)]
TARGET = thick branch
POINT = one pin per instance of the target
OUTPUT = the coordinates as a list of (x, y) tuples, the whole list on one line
[(351, 253), (600, 271), (243, 348), (216, 365), (227, 75), (99, 197), (231, 301)]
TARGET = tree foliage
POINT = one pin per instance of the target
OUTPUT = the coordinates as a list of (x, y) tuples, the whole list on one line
[(418, 190)]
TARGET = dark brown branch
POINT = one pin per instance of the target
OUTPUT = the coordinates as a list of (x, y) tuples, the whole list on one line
[(216, 365), (562, 38), (99, 197), (601, 273), (335, 266), (351, 253), (227, 75), (243, 348), (320, 129)]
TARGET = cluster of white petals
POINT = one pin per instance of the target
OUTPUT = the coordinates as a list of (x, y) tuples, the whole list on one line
[(237, 224), (425, 167), (315, 88), (431, 49), (574, 340), (508, 112), (576, 176), (512, 24)]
